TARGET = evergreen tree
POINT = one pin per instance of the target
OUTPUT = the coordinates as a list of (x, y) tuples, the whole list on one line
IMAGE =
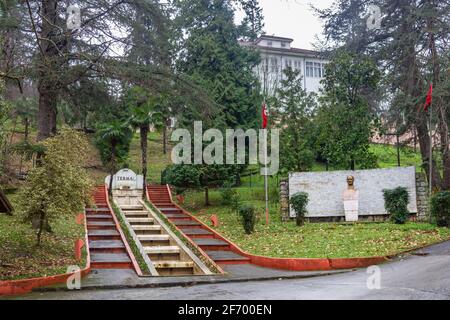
[(253, 22), (293, 109), (345, 121), (411, 47), (214, 58)]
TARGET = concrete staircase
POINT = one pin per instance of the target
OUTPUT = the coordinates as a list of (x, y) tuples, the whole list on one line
[(218, 250), (164, 250), (106, 244)]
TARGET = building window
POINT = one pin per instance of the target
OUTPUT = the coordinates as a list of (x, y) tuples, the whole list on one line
[(297, 65), (269, 43), (283, 44), (274, 64), (309, 69), (288, 63), (315, 69)]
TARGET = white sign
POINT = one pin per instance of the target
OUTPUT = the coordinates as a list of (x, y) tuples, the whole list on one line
[(126, 179)]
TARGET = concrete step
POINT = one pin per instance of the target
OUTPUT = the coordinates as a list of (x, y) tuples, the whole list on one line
[(173, 264), (106, 234), (171, 210), (96, 210), (177, 216), (147, 228), (227, 257), (136, 213), (186, 223), (154, 237), (101, 223), (98, 217), (210, 242), (110, 257), (196, 232), (162, 249), (107, 246), (132, 207), (141, 221)]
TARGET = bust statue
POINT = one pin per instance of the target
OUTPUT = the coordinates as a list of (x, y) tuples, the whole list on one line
[(351, 201), (351, 182)]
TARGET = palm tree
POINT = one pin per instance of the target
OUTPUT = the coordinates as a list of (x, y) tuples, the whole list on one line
[(113, 133), (144, 115)]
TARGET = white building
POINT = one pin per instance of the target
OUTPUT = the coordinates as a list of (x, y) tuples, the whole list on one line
[(277, 54)]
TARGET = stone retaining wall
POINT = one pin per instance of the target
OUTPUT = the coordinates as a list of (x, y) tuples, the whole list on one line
[(421, 198)]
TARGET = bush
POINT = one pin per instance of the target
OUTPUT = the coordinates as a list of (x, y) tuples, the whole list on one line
[(59, 185), (396, 204), (440, 208), (248, 215), (182, 176), (230, 197), (299, 201)]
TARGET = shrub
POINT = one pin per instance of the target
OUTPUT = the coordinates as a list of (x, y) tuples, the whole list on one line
[(299, 201), (59, 185), (440, 208), (182, 176), (396, 204), (248, 215), (230, 197)]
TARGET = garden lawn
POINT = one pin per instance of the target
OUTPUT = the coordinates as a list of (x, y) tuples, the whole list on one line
[(315, 240), (157, 161), (21, 259)]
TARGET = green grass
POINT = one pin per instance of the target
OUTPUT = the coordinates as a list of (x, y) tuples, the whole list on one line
[(157, 161), (387, 156), (19, 256), (320, 240)]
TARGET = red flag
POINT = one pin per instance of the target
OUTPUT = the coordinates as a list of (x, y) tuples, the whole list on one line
[(429, 100), (265, 116)]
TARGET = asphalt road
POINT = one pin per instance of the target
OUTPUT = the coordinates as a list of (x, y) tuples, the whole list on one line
[(424, 275)]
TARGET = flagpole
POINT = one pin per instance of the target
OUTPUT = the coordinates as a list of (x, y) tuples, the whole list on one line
[(266, 181), (431, 148), (265, 72)]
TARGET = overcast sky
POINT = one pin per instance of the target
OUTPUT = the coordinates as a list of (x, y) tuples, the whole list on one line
[(293, 19)]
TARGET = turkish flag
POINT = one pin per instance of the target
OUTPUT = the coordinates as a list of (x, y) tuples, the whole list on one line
[(429, 100), (265, 116)]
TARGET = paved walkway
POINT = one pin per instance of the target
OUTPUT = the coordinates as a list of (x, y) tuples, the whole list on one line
[(127, 279), (422, 275)]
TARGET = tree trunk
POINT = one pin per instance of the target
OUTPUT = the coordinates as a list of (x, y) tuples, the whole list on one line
[(48, 64), (144, 143), (113, 167), (424, 144), (439, 106), (47, 112), (27, 129), (165, 138), (40, 228), (207, 197)]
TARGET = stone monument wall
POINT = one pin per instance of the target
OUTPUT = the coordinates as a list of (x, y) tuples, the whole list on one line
[(422, 197), (325, 190)]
